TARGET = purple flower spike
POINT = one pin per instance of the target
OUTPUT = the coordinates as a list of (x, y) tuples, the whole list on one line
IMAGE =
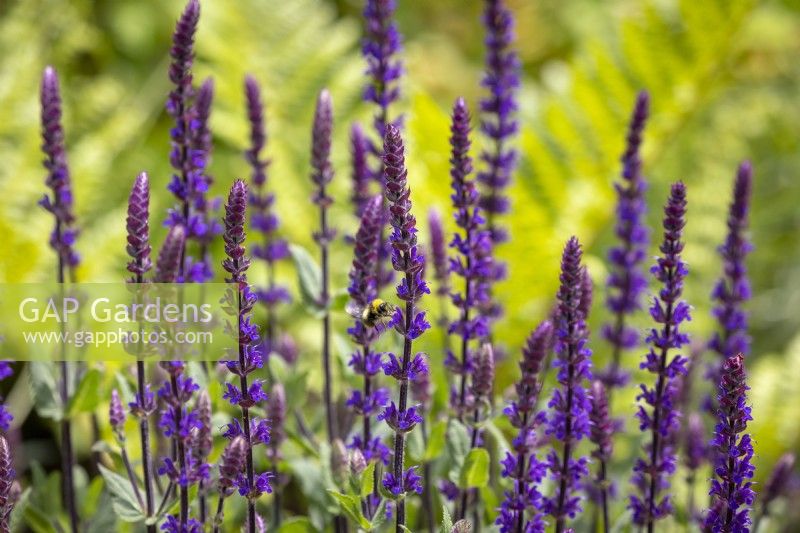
[(5, 416), (441, 270), (381, 47), (498, 108), (568, 420), (471, 260), (410, 322), (366, 361), (169, 257), (777, 484), (62, 239), (249, 358), (263, 218), (522, 506), (361, 174), (191, 146), (231, 465), (733, 289), (627, 280), (7, 477), (657, 411), (138, 227), (731, 491), (116, 414), (601, 436)]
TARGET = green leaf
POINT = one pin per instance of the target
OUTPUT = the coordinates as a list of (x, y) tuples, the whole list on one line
[(351, 506), (309, 278), (458, 445), (37, 520), (88, 394), (18, 513), (45, 393), (368, 480), (436, 441), (296, 524), (124, 500), (379, 517), (447, 522), (475, 471)]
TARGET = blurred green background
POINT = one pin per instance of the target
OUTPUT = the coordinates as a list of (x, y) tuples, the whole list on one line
[(723, 76)]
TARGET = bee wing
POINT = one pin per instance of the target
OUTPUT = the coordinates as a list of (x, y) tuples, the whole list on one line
[(353, 309)]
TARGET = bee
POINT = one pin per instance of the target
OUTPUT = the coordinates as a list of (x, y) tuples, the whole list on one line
[(376, 312)]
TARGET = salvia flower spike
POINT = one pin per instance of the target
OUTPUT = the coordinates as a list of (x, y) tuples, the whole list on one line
[(733, 289), (365, 361), (601, 436), (139, 249), (7, 477), (381, 47), (471, 261), (361, 175), (499, 125), (521, 509), (62, 240), (570, 405), (657, 412), (731, 488), (263, 218), (627, 280), (5, 416), (409, 322), (777, 485), (191, 144), (498, 108), (246, 394), (60, 204), (321, 176)]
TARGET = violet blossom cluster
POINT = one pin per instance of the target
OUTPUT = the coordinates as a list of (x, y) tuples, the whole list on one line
[(657, 412), (499, 124), (60, 204), (361, 173), (733, 289), (5, 416), (380, 47), (627, 280), (248, 357), (471, 260), (731, 488), (8, 494), (190, 140), (409, 322), (263, 218), (522, 505), (570, 405), (365, 361)]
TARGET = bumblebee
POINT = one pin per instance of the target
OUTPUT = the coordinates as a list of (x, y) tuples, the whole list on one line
[(376, 312)]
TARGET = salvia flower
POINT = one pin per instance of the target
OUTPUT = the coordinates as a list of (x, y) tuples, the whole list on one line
[(138, 228), (409, 321), (7, 477), (248, 357), (116, 415), (263, 218), (733, 289), (365, 360), (627, 280), (381, 47), (778, 480), (731, 489), (231, 465), (570, 405), (5, 416), (169, 257), (438, 253), (601, 435), (522, 505), (361, 174), (191, 144), (321, 177), (657, 412), (498, 108), (471, 260), (60, 204)]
